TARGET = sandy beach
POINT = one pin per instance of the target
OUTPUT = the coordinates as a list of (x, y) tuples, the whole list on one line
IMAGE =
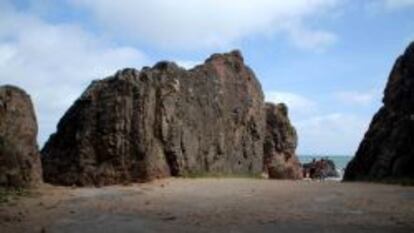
[(214, 205)]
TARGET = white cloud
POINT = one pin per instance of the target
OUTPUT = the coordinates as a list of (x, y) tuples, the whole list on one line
[(299, 106), (336, 132), (398, 4), (189, 24), (54, 62), (380, 6), (311, 39), (320, 131), (358, 98)]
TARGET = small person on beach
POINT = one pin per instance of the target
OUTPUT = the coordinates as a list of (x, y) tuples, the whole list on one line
[(318, 169), (312, 169), (322, 172)]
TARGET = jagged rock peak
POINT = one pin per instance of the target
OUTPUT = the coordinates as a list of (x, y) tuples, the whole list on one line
[(234, 55)]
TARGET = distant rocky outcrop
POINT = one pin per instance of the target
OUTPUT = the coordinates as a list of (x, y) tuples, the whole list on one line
[(387, 150), (330, 169), (325, 168), (19, 157), (280, 160), (161, 121)]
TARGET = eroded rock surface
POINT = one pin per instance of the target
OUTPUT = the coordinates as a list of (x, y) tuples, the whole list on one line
[(387, 150), (19, 155), (161, 121), (280, 160)]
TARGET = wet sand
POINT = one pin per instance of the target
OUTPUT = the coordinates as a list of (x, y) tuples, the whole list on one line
[(214, 205)]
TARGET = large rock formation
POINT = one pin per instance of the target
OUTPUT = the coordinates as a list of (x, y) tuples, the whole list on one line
[(19, 156), (161, 121), (387, 150), (280, 160)]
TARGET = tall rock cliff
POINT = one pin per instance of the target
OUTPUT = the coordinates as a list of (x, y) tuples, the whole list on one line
[(280, 160), (19, 156), (161, 121), (387, 150)]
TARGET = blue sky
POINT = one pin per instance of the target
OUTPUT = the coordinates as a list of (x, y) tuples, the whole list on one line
[(327, 59)]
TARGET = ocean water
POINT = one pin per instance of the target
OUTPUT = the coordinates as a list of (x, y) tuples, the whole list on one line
[(340, 161)]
